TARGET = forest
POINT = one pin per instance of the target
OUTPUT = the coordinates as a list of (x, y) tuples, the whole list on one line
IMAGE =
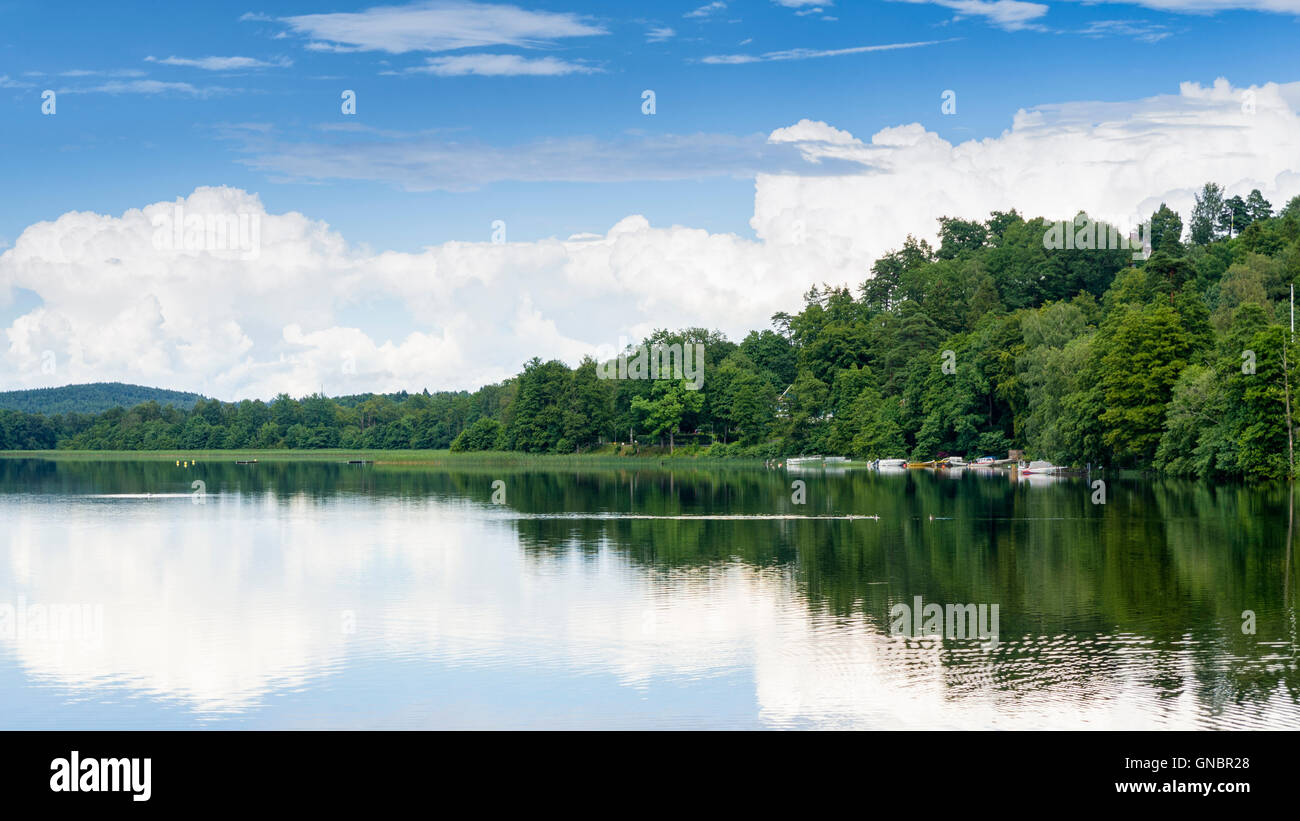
[(986, 341), (91, 398)]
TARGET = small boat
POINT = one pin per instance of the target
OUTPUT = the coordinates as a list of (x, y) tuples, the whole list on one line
[(245, 461), (919, 464), (951, 462), (890, 464), (794, 461), (1040, 468)]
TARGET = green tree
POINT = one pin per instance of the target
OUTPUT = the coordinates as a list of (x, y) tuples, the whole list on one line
[(1206, 214), (1258, 208), (482, 435), (1166, 230), (671, 402), (537, 418), (1234, 217), (1140, 354)]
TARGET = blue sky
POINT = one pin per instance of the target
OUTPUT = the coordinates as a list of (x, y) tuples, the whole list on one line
[(131, 142), (774, 119)]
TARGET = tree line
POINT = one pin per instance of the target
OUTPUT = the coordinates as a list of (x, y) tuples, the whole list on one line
[(90, 398), (1181, 362)]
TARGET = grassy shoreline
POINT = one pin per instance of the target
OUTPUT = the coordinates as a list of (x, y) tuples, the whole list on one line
[(381, 457)]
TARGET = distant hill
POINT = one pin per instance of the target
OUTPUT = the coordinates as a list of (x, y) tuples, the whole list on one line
[(92, 398)]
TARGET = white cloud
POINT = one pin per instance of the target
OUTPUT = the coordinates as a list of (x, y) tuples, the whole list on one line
[(220, 63), (439, 26), (707, 10), (81, 72), (1116, 160), (1017, 15), (435, 162), (1140, 30), (1012, 15), (1209, 6), (659, 34), (115, 308), (808, 131), (148, 87), (499, 65), (809, 53)]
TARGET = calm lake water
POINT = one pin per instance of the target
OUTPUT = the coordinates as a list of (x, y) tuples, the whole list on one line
[(322, 595)]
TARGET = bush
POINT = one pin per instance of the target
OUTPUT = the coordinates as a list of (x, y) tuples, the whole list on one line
[(482, 435)]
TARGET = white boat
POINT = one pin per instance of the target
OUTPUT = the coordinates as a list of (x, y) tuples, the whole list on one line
[(890, 464), (803, 460), (1039, 468)]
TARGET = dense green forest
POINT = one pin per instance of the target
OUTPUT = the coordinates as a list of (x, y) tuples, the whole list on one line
[(1179, 362), (91, 398)]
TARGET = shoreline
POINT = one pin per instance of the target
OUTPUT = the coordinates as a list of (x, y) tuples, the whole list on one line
[(380, 457)]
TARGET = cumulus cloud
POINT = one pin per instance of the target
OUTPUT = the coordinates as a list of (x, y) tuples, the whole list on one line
[(1117, 160), (230, 324), (114, 306)]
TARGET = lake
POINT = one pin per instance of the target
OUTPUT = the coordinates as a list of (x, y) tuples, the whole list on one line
[(315, 594)]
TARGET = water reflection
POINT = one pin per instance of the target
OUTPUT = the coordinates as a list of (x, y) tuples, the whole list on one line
[(329, 595)]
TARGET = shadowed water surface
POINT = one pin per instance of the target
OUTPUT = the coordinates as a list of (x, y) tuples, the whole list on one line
[(325, 595)]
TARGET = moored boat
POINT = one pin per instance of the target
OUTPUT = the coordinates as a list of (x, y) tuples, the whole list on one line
[(1040, 468), (803, 460)]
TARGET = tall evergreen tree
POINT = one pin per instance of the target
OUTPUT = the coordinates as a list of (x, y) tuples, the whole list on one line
[(1206, 214)]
